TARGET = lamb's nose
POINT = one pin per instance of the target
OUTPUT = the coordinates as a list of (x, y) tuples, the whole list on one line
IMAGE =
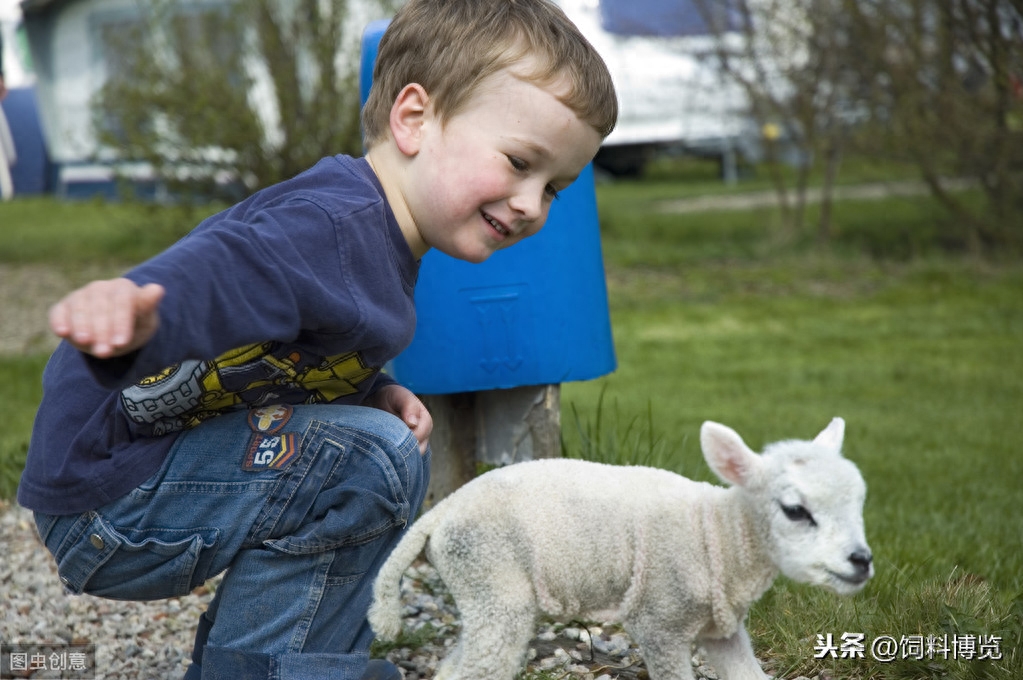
[(861, 559)]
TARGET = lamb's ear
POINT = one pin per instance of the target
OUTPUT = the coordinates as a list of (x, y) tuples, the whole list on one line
[(727, 454), (832, 435)]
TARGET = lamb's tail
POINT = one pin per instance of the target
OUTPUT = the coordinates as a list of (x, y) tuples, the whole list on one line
[(385, 612)]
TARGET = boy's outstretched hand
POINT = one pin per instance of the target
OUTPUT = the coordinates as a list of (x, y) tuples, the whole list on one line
[(400, 401), (108, 318)]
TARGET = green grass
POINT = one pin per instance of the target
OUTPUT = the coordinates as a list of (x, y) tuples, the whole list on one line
[(727, 316), (716, 318), (924, 365), (700, 177), (76, 234), (20, 392)]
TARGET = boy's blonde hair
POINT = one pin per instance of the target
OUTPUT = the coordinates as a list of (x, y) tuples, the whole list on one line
[(451, 46)]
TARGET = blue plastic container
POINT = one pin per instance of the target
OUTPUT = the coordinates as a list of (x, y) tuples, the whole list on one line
[(533, 314)]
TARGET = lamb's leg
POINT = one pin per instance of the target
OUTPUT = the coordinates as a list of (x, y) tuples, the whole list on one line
[(498, 621), (666, 653), (670, 659), (733, 657), (449, 664)]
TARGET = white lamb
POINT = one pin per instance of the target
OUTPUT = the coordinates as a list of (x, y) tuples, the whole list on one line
[(677, 562)]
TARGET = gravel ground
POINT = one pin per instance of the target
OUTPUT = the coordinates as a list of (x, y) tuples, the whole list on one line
[(26, 293), (133, 640), (152, 640)]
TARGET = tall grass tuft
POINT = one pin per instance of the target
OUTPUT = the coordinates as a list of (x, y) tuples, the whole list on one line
[(608, 436)]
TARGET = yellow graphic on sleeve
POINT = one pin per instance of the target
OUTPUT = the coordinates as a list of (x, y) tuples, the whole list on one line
[(334, 377), (161, 376), (184, 395)]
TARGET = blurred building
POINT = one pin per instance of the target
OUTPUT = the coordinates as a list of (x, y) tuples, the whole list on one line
[(661, 54)]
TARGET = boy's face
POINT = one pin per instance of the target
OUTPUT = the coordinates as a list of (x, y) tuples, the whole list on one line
[(484, 178)]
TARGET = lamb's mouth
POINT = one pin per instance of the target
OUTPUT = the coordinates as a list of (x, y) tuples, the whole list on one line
[(856, 580), (498, 227)]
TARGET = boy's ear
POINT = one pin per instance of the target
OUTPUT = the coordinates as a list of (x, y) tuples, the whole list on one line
[(408, 114)]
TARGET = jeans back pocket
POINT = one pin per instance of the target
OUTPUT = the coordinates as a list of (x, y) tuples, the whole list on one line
[(120, 563)]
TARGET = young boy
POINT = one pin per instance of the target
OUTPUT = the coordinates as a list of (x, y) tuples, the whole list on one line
[(208, 411)]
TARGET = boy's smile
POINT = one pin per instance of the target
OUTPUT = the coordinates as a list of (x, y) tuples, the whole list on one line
[(484, 178)]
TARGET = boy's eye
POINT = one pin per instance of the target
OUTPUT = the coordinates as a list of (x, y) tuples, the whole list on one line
[(520, 165), (517, 163)]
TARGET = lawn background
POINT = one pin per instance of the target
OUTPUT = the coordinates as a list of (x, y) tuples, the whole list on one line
[(717, 318), (729, 316)]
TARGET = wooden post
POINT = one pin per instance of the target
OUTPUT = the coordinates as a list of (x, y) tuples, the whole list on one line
[(453, 445), (490, 428)]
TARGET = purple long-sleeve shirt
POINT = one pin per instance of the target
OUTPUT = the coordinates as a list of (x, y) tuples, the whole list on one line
[(299, 294)]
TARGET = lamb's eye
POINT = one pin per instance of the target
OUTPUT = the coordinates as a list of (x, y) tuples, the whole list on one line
[(797, 513)]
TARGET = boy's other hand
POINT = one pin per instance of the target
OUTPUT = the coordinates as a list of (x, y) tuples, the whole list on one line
[(400, 401), (108, 318)]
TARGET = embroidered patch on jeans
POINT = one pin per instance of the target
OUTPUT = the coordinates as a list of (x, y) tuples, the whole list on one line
[(271, 451), (270, 419)]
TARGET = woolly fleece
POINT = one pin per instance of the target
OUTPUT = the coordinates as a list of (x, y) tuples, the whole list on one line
[(678, 562)]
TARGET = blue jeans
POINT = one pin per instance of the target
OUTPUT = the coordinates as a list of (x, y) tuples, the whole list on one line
[(301, 506)]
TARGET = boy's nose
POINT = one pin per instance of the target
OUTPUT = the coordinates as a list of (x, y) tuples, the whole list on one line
[(529, 203)]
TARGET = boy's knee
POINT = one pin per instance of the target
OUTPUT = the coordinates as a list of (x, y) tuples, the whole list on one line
[(394, 436), (363, 477), (373, 426)]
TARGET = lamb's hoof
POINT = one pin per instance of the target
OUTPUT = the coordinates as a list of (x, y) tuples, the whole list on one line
[(379, 669)]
